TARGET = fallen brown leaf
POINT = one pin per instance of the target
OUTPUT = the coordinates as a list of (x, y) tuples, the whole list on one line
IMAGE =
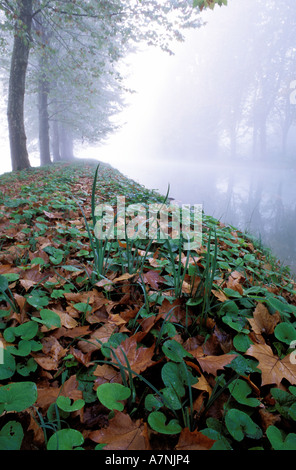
[(235, 281), (175, 311), (203, 384), (153, 278), (52, 353), (53, 215), (122, 434), (38, 433), (48, 395), (27, 284), (81, 357), (8, 268), (263, 321), (211, 364), (273, 369), (71, 333), (194, 440), (97, 338), (106, 373), (66, 320), (220, 295), (125, 277), (138, 358)]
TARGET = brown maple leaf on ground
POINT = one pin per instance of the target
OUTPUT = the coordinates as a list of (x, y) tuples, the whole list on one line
[(138, 359), (211, 364), (263, 322), (122, 434), (194, 440), (273, 369)]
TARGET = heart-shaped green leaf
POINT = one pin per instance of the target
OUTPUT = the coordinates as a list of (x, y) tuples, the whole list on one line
[(236, 324), (17, 396), (241, 342), (26, 331), (38, 301), (285, 332), (11, 436), (9, 334), (171, 399), (279, 440), (171, 374), (231, 293), (65, 439), (282, 307), (7, 365), (111, 395), (3, 283), (221, 442), (48, 318), (285, 402), (64, 403), (38, 260), (240, 390), (25, 369), (82, 307), (11, 277), (175, 351), (240, 425), (151, 401), (23, 349), (157, 421)]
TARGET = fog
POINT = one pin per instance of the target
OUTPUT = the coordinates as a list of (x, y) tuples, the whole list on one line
[(216, 121)]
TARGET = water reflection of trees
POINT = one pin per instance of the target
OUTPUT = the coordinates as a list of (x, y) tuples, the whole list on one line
[(262, 209)]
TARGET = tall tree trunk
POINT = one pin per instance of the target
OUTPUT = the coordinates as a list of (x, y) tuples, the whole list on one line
[(17, 84), (43, 91), (43, 119), (66, 145), (55, 141)]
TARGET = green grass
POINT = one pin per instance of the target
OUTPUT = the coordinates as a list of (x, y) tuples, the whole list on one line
[(174, 329)]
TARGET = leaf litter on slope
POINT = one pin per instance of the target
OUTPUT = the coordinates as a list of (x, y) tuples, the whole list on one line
[(41, 221)]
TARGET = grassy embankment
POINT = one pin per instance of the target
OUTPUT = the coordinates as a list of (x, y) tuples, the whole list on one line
[(155, 348)]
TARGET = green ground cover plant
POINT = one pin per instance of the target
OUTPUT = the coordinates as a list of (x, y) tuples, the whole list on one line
[(136, 344)]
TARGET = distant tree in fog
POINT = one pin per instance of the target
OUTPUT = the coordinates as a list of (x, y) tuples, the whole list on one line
[(78, 87), (36, 22), (232, 92)]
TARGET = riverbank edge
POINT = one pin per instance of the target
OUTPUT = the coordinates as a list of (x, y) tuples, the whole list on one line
[(139, 194)]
